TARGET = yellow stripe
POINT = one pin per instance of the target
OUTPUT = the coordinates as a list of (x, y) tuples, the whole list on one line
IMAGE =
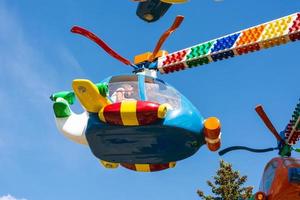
[(101, 115), (276, 28), (142, 167), (128, 113)]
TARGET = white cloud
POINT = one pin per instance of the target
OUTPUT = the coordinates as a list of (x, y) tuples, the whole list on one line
[(9, 197)]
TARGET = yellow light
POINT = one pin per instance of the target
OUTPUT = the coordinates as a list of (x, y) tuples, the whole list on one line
[(162, 111), (148, 17)]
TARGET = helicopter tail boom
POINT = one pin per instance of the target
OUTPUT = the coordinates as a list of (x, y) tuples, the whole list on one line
[(212, 133)]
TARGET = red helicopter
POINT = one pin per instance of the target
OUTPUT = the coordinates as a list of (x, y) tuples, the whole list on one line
[(281, 177), (280, 180)]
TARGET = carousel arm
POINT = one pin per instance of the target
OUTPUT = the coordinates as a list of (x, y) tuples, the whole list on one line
[(263, 36)]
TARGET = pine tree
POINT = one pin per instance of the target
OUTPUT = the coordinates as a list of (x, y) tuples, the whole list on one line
[(227, 185)]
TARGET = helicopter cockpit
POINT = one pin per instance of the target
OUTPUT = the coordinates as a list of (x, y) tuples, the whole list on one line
[(142, 88)]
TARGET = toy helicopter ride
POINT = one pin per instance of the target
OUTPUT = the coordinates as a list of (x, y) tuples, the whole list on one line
[(140, 122), (153, 10), (281, 177)]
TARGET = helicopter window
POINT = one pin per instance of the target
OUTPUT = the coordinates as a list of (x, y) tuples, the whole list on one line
[(291, 162), (157, 91), (269, 175), (123, 88)]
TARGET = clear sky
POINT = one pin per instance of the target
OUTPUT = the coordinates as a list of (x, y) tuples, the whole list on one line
[(39, 56)]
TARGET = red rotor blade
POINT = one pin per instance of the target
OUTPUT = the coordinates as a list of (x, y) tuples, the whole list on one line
[(260, 111), (165, 35), (101, 43)]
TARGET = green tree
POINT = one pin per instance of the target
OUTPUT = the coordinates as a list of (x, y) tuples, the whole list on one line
[(227, 185)]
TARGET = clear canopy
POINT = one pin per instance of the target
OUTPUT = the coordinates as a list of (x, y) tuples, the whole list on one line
[(128, 88)]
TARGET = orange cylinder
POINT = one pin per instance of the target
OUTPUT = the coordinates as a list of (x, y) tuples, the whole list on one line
[(212, 133)]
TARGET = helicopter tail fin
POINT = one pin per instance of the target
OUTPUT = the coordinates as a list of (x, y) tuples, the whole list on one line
[(89, 95)]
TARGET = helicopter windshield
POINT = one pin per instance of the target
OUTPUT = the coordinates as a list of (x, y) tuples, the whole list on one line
[(291, 162), (127, 87), (123, 88), (268, 176), (157, 91)]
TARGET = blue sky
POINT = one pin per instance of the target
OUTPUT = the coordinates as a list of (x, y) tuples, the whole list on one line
[(39, 56)]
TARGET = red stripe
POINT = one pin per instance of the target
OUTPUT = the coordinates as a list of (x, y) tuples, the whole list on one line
[(129, 166), (212, 134), (247, 49), (112, 114), (214, 147), (158, 167), (296, 24), (146, 112), (153, 167)]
